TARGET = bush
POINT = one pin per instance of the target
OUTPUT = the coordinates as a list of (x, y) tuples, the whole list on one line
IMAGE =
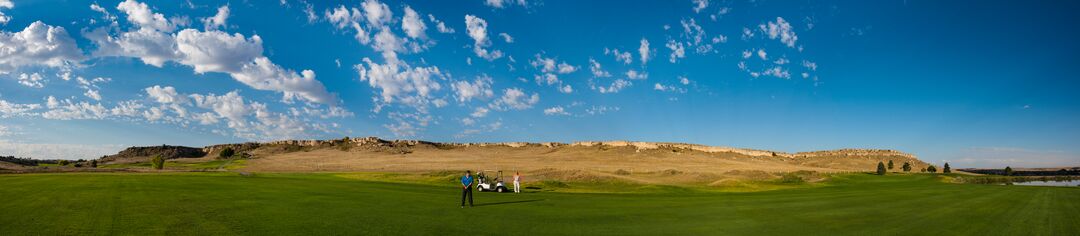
[(63, 162), (890, 165), (78, 165), (906, 167), (880, 168), (622, 172), (671, 172), (946, 169), (93, 163), (931, 169), (226, 153), (158, 162), (791, 178)]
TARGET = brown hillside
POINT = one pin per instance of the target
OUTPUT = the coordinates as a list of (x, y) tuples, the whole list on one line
[(373, 154), (10, 166)]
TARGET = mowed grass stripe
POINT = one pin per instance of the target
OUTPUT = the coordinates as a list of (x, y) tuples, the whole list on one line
[(323, 204)]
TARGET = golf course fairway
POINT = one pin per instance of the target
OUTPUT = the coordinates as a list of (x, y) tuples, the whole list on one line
[(325, 204)]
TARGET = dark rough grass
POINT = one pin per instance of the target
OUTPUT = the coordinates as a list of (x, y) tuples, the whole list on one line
[(322, 204)]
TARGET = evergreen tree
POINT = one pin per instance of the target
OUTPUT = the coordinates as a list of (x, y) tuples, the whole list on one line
[(158, 162), (226, 153), (947, 169), (93, 163), (906, 167), (880, 168), (1008, 171), (890, 165)]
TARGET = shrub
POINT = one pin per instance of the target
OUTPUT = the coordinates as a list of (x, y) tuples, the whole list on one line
[(671, 172), (63, 162), (947, 169), (158, 162), (906, 167), (77, 165), (880, 168), (226, 153), (791, 178), (931, 169), (622, 172), (93, 163), (890, 165)]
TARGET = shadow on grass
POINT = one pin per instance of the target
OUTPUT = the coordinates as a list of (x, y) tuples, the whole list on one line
[(509, 202)]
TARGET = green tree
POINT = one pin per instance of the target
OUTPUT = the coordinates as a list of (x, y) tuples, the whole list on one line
[(158, 162), (890, 165), (63, 162), (93, 163), (931, 169), (947, 169), (1008, 171), (226, 153), (906, 167), (880, 168)]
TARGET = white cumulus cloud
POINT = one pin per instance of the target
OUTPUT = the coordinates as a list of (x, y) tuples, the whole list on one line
[(5, 4), (504, 3), (37, 45), (644, 51), (399, 82), (218, 20), (780, 29), (477, 30), (481, 88), (412, 24), (558, 110), (441, 26), (515, 99), (141, 15)]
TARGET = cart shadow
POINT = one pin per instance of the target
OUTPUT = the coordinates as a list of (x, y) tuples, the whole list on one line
[(509, 202)]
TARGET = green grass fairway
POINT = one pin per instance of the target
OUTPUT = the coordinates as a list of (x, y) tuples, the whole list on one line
[(323, 204)]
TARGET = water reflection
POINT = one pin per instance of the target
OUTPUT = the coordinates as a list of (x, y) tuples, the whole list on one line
[(1067, 183)]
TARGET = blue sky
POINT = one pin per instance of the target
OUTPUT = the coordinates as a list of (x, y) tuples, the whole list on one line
[(974, 83)]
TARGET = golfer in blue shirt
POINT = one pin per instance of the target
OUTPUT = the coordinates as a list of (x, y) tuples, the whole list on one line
[(466, 188)]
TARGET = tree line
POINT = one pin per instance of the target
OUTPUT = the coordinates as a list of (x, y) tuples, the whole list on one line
[(883, 168), (37, 162), (26, 161)]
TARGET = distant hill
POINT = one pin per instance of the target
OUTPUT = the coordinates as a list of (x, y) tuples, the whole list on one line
[(25, 161), (371, 153), (642, 162), (132, 154), (10, 166)]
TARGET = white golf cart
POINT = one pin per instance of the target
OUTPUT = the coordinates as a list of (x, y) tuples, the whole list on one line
[(488, 183)]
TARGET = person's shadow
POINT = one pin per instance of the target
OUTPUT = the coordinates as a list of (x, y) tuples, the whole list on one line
[(509, 202)]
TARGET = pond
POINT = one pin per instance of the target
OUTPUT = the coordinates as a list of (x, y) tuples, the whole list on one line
[(1069, 183)]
